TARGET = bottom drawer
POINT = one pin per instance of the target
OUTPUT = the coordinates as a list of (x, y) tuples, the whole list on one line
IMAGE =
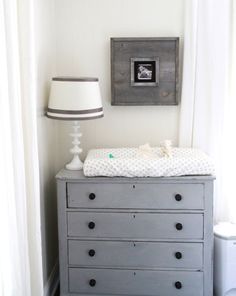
[(135, 282)]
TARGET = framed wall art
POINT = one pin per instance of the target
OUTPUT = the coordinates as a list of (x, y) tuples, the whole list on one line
[(144, 71)]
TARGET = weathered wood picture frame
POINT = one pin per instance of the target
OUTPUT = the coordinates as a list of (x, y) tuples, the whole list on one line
[(144, 71)]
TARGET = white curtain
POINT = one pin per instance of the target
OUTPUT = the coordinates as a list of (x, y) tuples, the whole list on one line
[(207, 119), (20, 246)]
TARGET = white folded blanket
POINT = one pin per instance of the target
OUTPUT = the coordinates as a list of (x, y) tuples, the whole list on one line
[(129, 162)]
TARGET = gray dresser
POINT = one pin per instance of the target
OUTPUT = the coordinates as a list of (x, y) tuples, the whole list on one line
[(135, 236)]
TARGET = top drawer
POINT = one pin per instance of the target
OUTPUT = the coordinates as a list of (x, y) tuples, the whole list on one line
[(132, 195)]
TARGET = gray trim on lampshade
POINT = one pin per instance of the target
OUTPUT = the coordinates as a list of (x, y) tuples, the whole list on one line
[(74, 111), (84, 79), (74, 118)]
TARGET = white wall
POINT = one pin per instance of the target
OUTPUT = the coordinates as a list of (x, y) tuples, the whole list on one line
[(83, 31), (47, 132)]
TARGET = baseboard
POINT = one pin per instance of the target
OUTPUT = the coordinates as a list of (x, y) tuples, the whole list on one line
[(53, 281)]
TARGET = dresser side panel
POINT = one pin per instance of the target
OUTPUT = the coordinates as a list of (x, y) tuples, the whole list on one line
[(62, 234), (208, 240)]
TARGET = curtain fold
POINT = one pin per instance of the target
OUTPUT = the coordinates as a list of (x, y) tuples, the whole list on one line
[(205, 105), (19, 181)]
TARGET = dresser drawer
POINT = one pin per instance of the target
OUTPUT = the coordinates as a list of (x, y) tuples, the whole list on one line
[(135, 282), (135, 196), (135, 225), (135, 254)]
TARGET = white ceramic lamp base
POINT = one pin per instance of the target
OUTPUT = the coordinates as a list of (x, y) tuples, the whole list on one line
[(76, 163)]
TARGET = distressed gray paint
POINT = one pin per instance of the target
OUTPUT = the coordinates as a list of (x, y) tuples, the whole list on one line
[(132, 282), (135, 225), (122, 90), (136, 196), (135, 255)]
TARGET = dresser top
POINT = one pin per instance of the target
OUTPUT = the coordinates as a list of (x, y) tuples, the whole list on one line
[(70, 175)]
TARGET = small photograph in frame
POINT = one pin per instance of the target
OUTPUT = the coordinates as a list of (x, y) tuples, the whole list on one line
[(145, 71)]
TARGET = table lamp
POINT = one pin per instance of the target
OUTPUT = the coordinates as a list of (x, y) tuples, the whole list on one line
[(75, 99)]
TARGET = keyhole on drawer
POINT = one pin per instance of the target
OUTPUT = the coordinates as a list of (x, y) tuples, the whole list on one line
[(134, 216), (134, 245), (134, 273), (134, 186)]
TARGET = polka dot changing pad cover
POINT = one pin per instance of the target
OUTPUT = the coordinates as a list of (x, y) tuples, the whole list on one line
[(129, 162)]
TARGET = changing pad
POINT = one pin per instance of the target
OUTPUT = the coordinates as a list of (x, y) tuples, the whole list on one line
[(127, 162)]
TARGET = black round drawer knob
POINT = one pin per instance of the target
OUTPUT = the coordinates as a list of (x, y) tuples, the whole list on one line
[(178, 197), (91, 252), (179, 226), (91, 225), (178, 285), (178, 255), (92, 196), (92, 282)]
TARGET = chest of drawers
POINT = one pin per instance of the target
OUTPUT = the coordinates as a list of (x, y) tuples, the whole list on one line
[(135, 236)]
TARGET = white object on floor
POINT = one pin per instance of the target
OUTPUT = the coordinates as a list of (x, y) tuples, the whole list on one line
[(127, 162), (225, 259)]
